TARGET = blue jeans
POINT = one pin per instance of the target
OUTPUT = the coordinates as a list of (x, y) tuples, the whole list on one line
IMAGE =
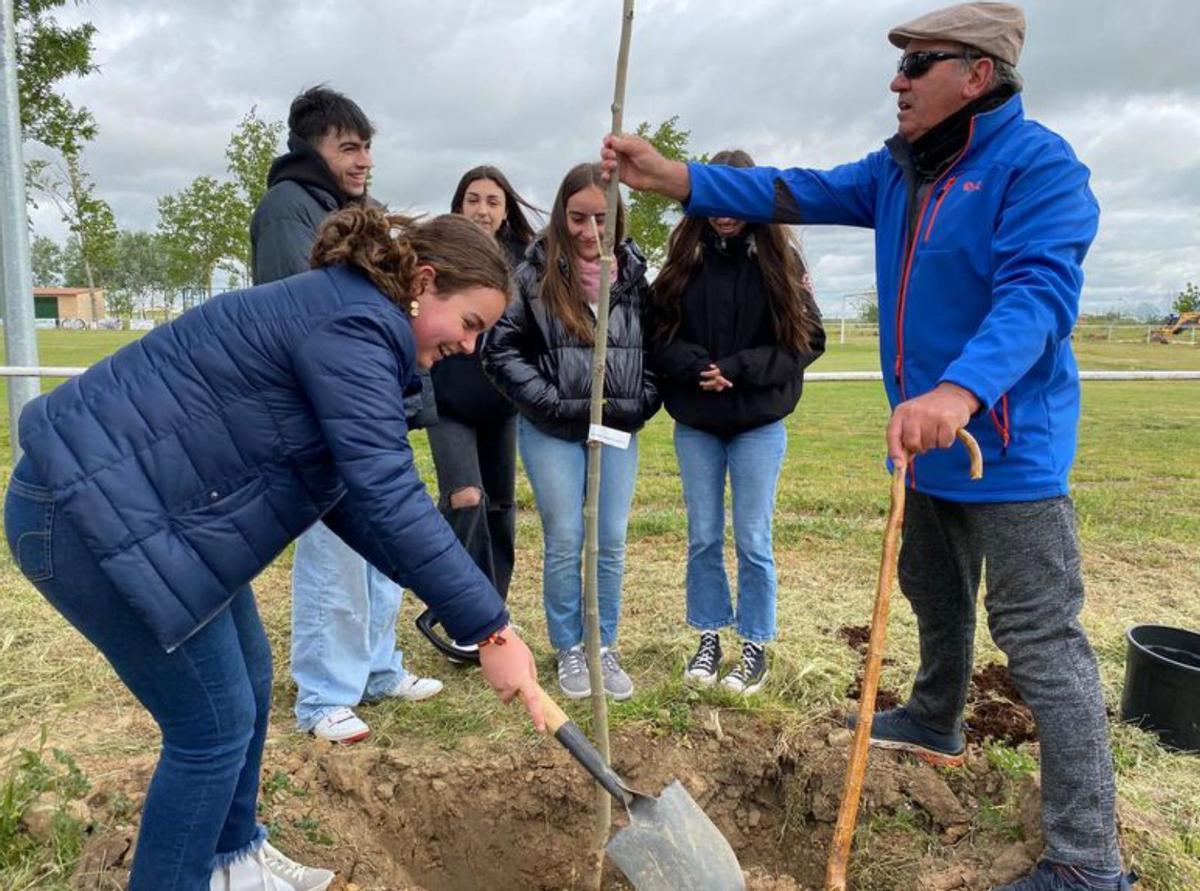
[(210, 697), (753, 460), (343, 627), (557, 470)]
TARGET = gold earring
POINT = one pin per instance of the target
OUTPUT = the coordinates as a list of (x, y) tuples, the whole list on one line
[(414, 309)]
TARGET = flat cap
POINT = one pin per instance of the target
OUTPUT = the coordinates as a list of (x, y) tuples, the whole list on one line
[(997, 29)]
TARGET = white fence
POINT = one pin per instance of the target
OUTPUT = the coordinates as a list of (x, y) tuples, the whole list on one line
[(840, 331)]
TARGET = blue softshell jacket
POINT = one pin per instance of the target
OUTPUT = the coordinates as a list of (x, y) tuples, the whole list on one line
[(984, 296), (191, 457)]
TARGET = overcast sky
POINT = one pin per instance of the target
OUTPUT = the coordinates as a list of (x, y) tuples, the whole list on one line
[(526, 85)]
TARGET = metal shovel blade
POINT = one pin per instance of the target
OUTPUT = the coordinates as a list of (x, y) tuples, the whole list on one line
[(670, 844)]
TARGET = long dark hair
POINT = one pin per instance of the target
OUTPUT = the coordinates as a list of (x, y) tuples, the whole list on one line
[(560, 288), (515, 226), (389, 247), (783, 270)]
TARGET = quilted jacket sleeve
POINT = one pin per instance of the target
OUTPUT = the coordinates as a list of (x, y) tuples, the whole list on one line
[(507, 357), (353, 367)]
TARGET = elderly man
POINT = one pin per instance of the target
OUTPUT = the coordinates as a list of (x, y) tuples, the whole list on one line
[(982, 220)]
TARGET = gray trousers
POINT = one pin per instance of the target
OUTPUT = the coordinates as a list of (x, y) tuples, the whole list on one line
[(1034, 594)]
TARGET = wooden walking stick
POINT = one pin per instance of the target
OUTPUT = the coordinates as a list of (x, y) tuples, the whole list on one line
[(591, 508), (843, 833)]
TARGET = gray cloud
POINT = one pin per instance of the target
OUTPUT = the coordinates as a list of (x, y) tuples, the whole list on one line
[(526, 84)]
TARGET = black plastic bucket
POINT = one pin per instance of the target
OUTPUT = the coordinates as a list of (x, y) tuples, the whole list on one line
[(1162, 684)]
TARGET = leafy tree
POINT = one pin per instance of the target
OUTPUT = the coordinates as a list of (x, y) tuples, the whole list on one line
[(648, 216), (868, 308), (89, 218), (202, 228), (252, 147), (140, 272), (48, 53), (47, 259), (1188, 300)]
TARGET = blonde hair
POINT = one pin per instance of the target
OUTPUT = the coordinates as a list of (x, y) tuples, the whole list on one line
[(388, 248)]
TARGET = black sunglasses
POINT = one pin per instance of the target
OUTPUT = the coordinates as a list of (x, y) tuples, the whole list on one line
[(913, 65)]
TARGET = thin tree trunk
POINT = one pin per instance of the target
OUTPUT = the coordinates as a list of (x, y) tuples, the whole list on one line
[(87, 271), (591, 509)]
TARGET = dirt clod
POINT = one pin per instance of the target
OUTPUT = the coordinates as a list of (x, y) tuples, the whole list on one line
[(931, 792), (885, 698), (995, 709)]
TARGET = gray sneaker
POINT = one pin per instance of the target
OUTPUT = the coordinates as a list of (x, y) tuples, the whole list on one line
[(573, 673), (616, 682)]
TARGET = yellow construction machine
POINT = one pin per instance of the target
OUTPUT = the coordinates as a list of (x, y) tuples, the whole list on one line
[(1175, 323)]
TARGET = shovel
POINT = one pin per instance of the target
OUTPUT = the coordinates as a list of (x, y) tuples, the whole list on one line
[(843, 833), (669, 844)]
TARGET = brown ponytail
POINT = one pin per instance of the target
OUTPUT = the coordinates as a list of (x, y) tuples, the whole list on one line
[(388, 248)]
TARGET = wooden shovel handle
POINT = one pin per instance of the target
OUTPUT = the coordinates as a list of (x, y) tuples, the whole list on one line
[(843, 833), (555, 716)]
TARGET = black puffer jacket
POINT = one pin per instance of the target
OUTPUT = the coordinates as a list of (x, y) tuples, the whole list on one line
[(547, 372), (726, 319)]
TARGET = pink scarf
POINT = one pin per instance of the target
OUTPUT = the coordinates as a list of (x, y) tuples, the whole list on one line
[(589, 278)]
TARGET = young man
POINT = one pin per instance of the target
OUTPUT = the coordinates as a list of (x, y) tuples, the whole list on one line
[(343, 609), (982, 223)]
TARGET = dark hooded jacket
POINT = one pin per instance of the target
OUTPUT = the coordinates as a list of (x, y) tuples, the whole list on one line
[(726, 319), (547, 372), (301, 193)]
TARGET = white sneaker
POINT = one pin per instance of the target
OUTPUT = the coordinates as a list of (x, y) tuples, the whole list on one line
[(341, 726), (301, 878), (411, 688), (250, 873)]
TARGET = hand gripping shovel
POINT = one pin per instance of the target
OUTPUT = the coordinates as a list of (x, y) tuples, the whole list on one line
[(843, 833), (669, 844)]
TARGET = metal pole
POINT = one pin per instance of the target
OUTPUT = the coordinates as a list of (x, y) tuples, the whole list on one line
[(842, 338), (15, 266)]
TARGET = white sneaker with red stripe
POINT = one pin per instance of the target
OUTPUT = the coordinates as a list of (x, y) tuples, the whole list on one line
[(341, 726)]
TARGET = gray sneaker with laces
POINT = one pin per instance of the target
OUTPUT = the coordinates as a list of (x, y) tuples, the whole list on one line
[(617, 683), (573, 673)]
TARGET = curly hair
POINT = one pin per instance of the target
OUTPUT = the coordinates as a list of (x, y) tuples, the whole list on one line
[(388, 248)]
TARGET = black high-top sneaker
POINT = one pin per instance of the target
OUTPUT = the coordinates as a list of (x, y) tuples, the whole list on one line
[(750, 673), (702, 667)]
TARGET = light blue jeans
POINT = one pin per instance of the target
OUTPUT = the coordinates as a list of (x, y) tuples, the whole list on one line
[(343, 627), (753, 460), (557, 470)]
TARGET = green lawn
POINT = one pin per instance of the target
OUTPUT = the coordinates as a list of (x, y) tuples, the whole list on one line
[(1137, 490)]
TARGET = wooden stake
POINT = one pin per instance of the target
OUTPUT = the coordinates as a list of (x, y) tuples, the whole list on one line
[(591, 507)]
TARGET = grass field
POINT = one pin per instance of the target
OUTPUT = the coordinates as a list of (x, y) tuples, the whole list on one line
[(1137, 492)]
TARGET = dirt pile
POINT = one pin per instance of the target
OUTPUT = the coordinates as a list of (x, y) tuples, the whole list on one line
[(391, 820), (995, 710)]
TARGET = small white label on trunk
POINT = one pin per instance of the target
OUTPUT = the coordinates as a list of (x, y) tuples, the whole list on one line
[(607, 435)]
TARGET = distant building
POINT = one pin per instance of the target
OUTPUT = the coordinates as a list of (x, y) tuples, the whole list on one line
[(67, 307)]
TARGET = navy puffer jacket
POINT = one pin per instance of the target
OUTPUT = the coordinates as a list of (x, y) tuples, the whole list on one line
[(547, 371), (190, 458)]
